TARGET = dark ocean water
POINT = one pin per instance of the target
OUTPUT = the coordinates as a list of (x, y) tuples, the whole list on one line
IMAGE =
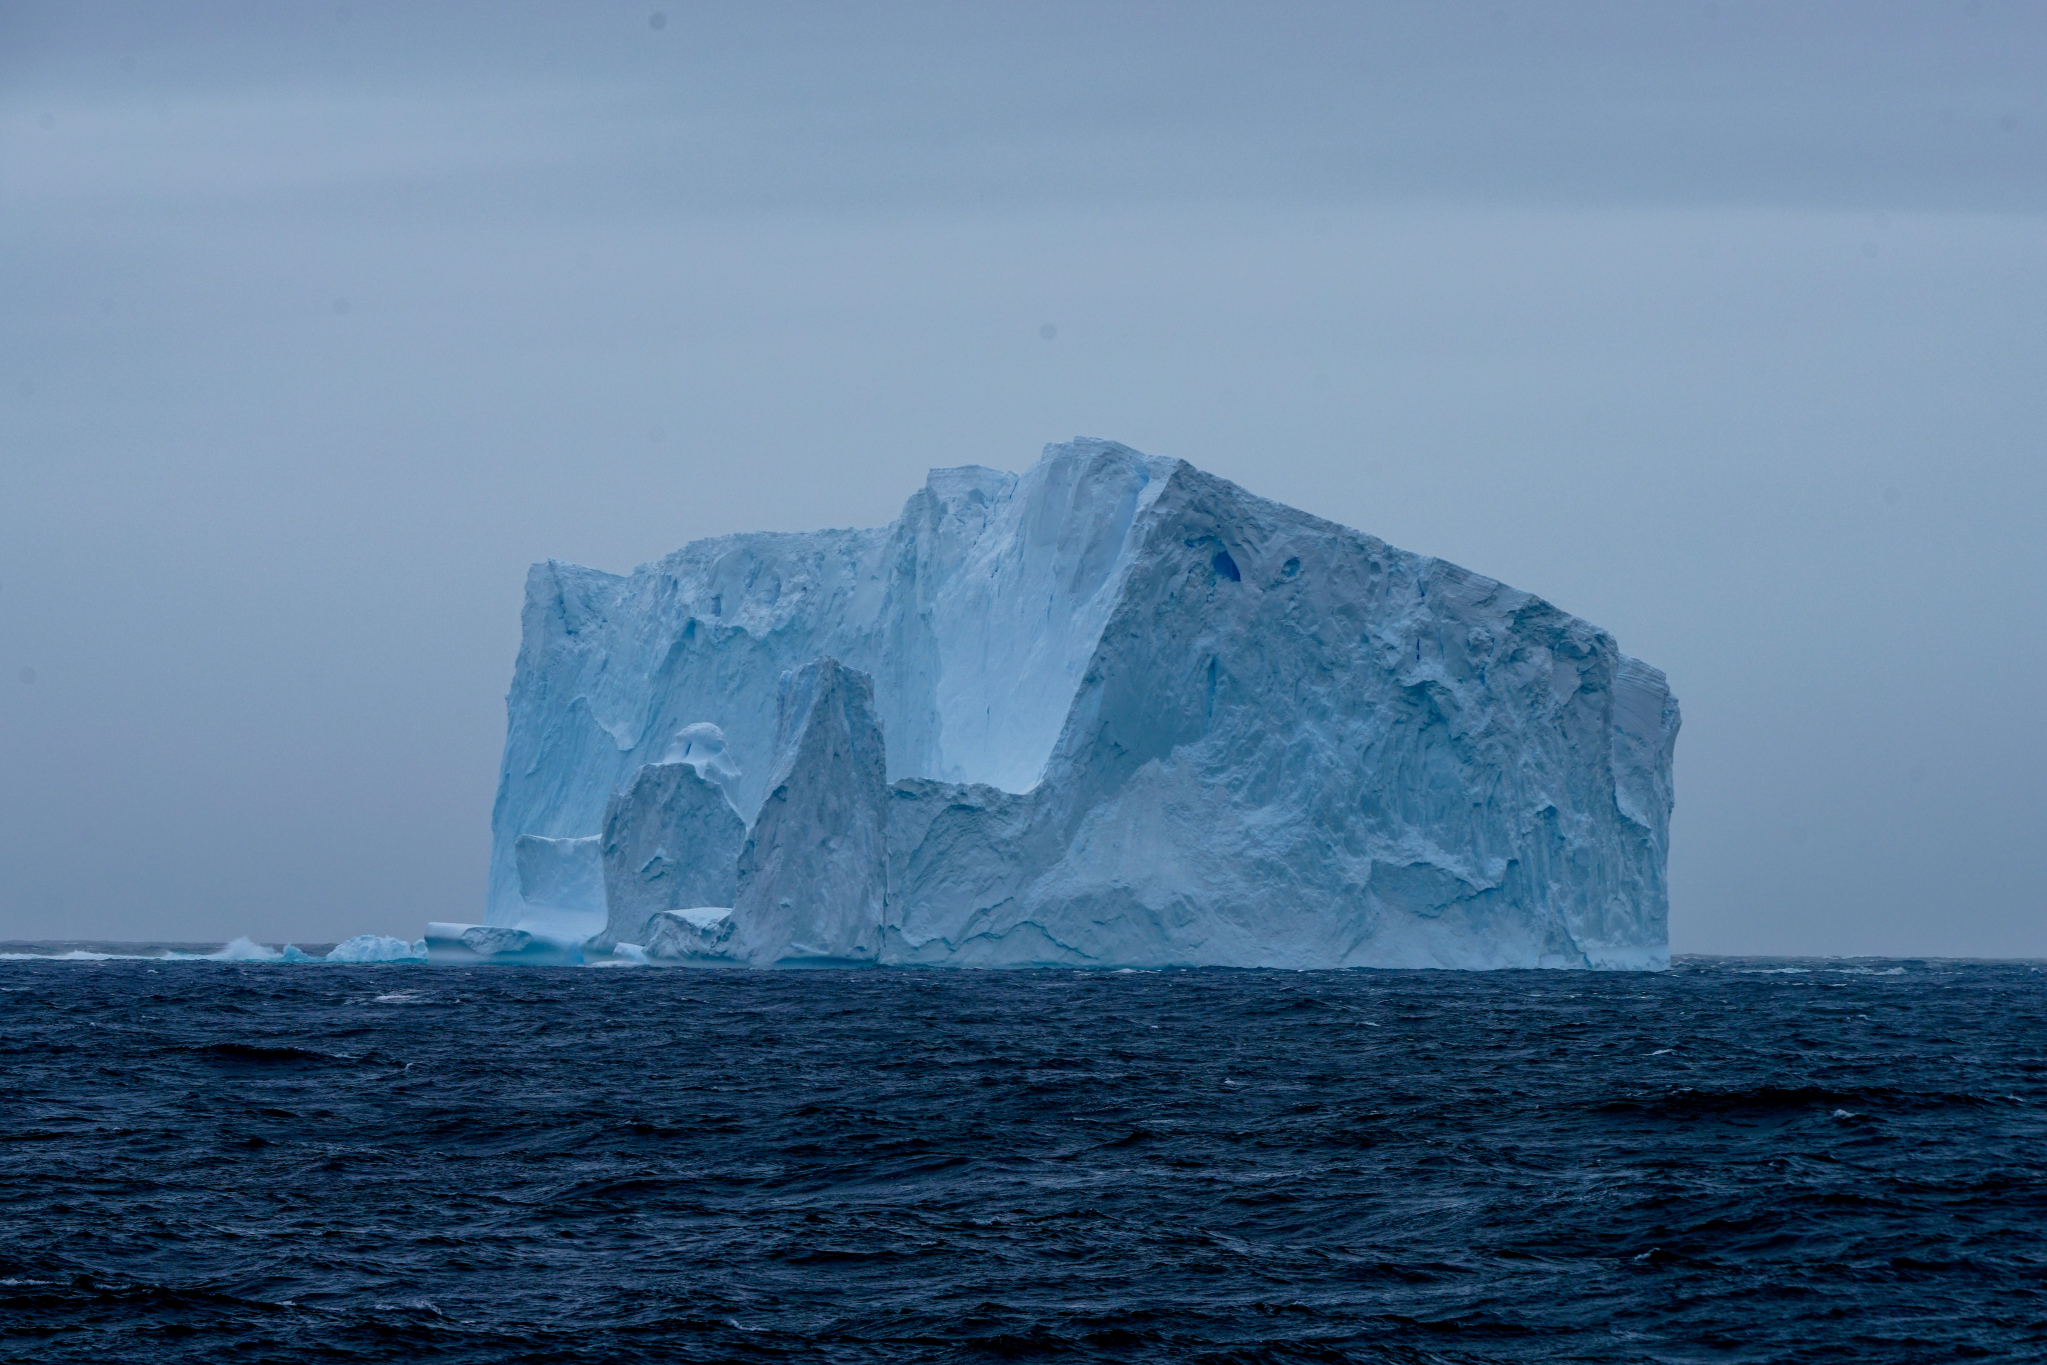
[(1732, 1161)]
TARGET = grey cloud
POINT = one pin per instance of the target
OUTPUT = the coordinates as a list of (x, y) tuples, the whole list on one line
[(832, 107)]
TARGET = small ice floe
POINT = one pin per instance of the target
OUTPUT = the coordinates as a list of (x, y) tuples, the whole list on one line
[(468, 945), (703, 934), (1846, 1114)]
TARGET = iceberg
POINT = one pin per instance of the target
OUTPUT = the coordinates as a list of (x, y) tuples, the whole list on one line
[(1112, 711)]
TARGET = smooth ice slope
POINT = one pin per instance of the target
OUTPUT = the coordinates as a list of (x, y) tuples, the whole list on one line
[(561, 881), (1129, 715)]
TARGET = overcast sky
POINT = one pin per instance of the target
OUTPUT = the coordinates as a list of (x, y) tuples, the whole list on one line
[(1721, 325)]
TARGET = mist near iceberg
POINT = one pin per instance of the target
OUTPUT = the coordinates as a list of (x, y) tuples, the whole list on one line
[(1108, 712)]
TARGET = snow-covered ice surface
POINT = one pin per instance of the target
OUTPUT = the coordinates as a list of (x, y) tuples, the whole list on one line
[(1111, 712)]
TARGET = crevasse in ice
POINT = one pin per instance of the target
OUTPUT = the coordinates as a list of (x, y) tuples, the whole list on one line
[(1112, 711)]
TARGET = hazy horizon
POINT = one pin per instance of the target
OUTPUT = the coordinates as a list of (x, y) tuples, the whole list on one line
[(1718, 325)]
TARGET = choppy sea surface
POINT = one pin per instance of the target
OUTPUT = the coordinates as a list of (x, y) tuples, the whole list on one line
[(1735, 1160)]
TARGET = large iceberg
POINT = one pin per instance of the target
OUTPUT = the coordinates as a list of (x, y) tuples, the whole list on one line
[(1112, 711)]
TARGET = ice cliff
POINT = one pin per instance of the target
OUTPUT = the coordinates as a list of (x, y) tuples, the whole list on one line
[(1111, 711)]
